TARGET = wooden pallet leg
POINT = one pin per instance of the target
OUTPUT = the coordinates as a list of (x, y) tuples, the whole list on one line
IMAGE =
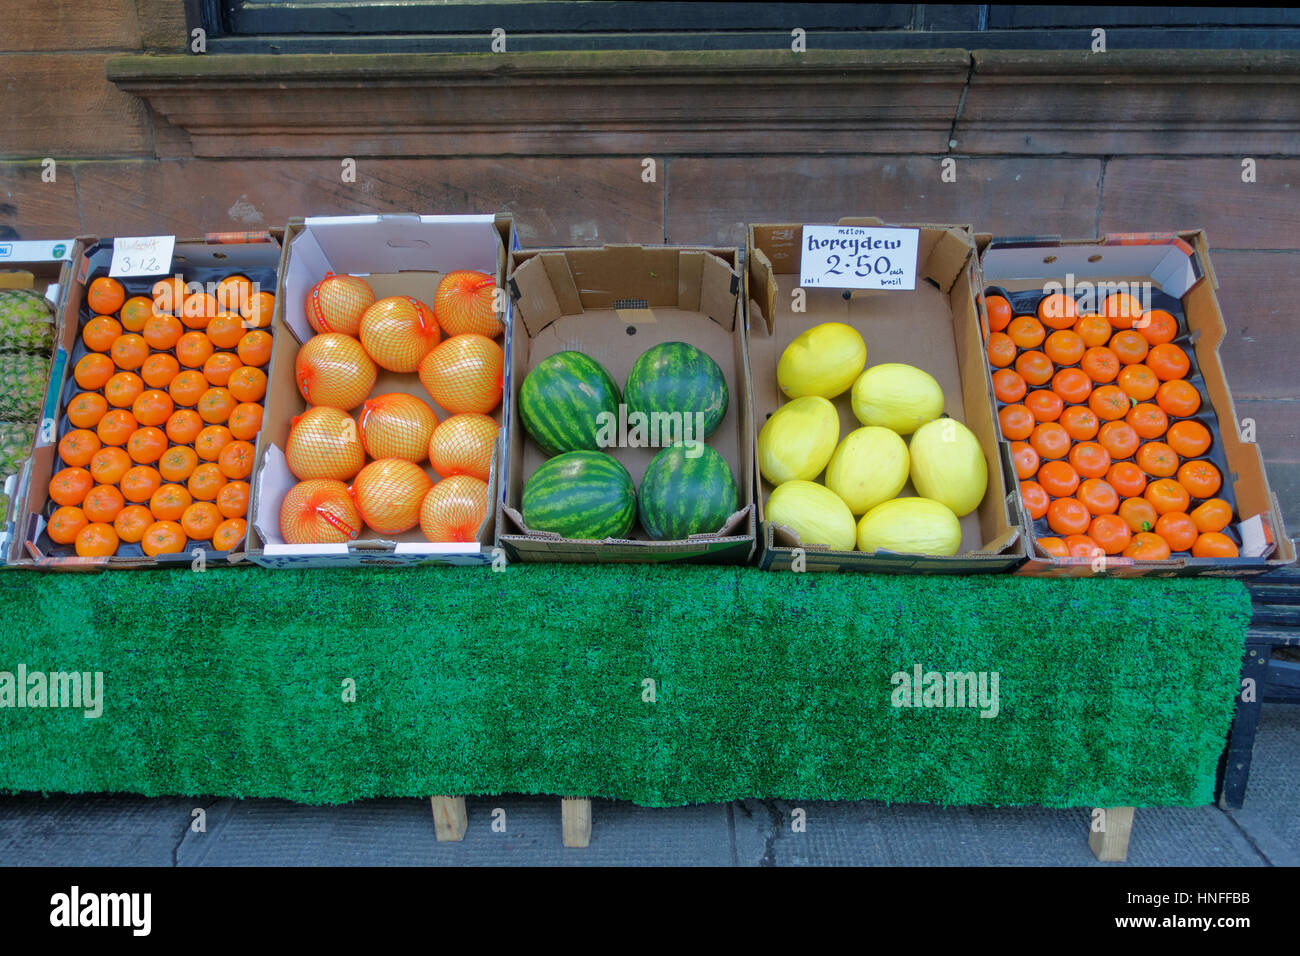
[(449, 818), (575, 820), (1234, 765), (1110, 844)]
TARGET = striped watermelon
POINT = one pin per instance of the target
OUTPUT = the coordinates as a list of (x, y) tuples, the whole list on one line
[(678, 377), (681, 496), (583, 495), (560, 399)]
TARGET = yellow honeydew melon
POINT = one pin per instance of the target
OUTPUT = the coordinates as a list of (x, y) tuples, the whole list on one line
[(816, 513), (948, 465), (897, 396), (824, 360), (869, 466), (910, 526), (798, 440)]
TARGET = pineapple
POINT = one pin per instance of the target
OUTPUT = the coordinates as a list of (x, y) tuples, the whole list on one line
[(26, 322), (16, 439), (22, 386)]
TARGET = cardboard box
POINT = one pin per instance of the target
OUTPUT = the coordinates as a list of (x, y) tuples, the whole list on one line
[(216, 255), (934, 327), (44, 266), (1176, 264), (613, 303), (397, 255)]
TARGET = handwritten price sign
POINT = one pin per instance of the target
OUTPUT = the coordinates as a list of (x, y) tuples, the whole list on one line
[(858, 257), (142, 256)]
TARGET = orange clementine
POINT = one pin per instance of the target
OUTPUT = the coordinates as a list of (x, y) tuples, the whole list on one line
[(1054, 547), (1068, 516), (1168, 361), (1035, 367), (1072, 384), (1098, 496), (159, 369), (163, 537), (257, 313), (69, 486), (129, 350), (105, 295), (1001, 350), (1101, 364), (1147, 546), (162, 331), (1081, 546), (1080, 422), (1126, 478), (1201, 478), (1064, 347), (1189, 439), (215, 405), (1034, 498), (96, 540), (1139, 514), (226, 330), (247, 384), (178, 463), (1017, 422), (206, 482), (146, 445), (1109, 402), (1026, 332), (183, 426), (65, 523), (1166, 495), (136, 311), (255, 348), (201, 520), (211, 440), (1044, 404), (1158, 326), (123, 388), (78, 446), (1110, 532), (230, 534), (131, 522), (1093, 329), (109, 465), (198, 309), (187, 387), (93, 370), (245, 421), (232, 499), (1212, 544), (169, 502), (1122, 310), (233, 292), (1129, 346), (999, 312), (1090, 460), (219, 366), (1119, 438), (1148, 420), (1215, 514), (1058, 478), (116, 427), (102, 503), (152, 407), (1138, 382), (1178, 530), (1179, 398), (139, 483), (1025, 459), (236, 460), (1058, 311), (101, 332), (169, 294), (1158, 460), (193, 349)]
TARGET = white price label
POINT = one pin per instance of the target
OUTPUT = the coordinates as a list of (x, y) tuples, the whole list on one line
[(142, 256), (858, 257)]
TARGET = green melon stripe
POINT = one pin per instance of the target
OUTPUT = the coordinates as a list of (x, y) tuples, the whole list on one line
[(558, 414)]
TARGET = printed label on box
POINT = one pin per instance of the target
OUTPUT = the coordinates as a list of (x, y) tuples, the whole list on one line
[(858, 257), (142, 256)]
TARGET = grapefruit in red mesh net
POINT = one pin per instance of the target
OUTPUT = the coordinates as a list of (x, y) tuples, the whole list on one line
[(336, 303), (397, 425), (398, 331), (464, 303), (319, 511), (464, 373), (454, 509), (462, 445), (333, 369), (323, 443), (388, 493)]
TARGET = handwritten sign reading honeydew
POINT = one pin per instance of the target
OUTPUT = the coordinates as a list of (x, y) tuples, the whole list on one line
[(858, 257), (142, 255)]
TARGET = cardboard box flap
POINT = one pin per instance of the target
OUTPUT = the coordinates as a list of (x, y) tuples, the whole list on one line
[(762, 284), (562, 284), (861, 221), (535, 300), (690, 271), (718, 288), (735, 524), (947, 258)]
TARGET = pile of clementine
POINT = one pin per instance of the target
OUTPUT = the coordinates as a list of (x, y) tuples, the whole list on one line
[(1098, 411), (163, 424)]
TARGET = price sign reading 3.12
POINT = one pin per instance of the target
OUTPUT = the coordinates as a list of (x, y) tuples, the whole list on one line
[(858, 257), (142, 256)]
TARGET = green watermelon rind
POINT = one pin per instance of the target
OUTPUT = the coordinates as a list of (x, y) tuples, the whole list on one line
[(580, 495), (556, 413), (681, 496), (659, 379)]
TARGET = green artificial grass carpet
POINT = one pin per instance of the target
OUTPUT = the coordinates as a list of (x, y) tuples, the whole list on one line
[(232, 682)]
